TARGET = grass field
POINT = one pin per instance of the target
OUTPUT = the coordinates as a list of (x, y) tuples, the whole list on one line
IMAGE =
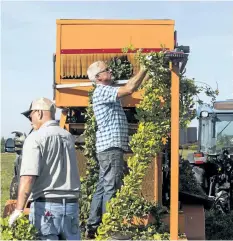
[(7, 170)]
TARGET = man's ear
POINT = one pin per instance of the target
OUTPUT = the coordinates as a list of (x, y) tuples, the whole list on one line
[(40, 114)]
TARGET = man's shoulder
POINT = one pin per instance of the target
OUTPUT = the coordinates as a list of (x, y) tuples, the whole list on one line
[(98, 92), (48, 131), (35, 136), (65, 132), (54, 131), (104, 90), (32, 138), (101, 87)]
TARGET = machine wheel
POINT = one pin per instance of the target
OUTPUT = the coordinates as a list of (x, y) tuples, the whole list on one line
[(14, 188)]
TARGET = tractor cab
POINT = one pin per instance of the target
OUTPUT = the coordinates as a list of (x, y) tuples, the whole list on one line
[(215, 131), (216, 128)]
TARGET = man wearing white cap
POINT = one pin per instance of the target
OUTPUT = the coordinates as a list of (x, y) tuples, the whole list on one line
[(111, 136), (49, 173)]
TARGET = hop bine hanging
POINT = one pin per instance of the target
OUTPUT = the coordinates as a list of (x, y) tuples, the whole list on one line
[(153, 114)]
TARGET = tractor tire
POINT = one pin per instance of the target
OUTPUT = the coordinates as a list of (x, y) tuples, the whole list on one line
[(14, 188)]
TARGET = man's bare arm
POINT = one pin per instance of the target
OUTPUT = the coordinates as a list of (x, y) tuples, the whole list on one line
[(147, 77), (132, 84), (25, 188)]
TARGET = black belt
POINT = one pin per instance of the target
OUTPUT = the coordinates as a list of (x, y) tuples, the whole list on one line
[(56, 200)]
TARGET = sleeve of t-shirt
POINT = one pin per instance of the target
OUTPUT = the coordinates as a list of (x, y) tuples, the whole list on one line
[(106, 94), (31, 157)]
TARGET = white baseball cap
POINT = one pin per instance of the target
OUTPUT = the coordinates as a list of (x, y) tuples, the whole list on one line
[(40, 104)]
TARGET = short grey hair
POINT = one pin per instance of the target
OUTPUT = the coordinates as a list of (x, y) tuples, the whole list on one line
[(93, 70)]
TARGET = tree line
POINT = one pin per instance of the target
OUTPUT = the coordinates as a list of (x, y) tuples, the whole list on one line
[(2, 145)]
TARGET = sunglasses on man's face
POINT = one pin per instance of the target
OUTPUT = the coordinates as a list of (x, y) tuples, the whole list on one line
[(30, 116), (105, 70)]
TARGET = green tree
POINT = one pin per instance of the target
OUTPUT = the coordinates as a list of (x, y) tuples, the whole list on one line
[(2, 145)]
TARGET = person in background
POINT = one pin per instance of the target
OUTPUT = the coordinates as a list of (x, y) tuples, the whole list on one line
[(49, 173), (111, 136)]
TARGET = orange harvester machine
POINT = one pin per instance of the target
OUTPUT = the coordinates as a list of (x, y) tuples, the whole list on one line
[(82, 42)]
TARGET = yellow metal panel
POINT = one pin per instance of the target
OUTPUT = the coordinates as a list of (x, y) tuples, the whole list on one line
[(63, 118), (116, 36), (103, 34), (58, 50), (78, 97)]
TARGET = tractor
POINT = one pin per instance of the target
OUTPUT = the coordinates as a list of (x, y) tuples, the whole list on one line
[(213, 162)]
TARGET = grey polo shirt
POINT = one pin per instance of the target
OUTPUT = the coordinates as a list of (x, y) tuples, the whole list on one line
[(49, 153)]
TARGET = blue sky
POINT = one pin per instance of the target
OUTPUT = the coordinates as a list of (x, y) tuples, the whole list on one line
[(28, 38)]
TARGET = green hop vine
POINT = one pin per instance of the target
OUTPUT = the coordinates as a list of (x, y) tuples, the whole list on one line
[(90, 180), (121, 68), (153, 114), (21, 229), (153, 128), (189, 96)]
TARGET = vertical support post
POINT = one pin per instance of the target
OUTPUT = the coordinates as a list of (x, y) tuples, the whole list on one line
[(63, 118), (158, 179), (54, 76), (58, 55), (174, 151), (156, 184)]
